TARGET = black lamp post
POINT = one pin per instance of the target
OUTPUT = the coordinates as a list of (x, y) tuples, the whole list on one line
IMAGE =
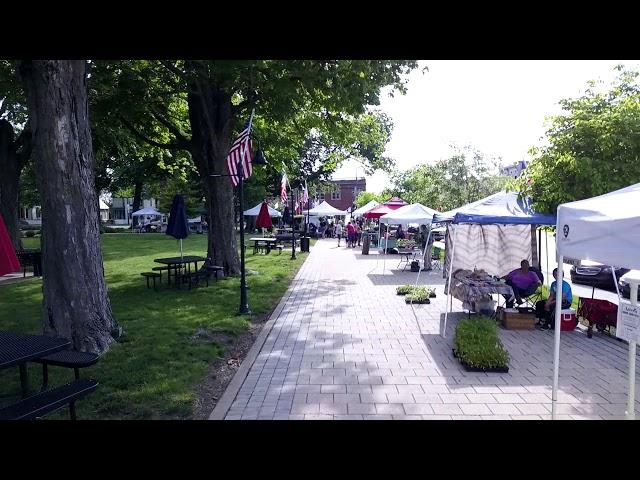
[(293, 227), (258, 159)]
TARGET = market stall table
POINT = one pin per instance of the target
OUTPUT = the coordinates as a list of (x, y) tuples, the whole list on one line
[(467, 288), (18, 349), (407, 256)]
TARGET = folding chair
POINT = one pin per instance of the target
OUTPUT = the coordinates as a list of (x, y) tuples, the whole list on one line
[(531, 300)]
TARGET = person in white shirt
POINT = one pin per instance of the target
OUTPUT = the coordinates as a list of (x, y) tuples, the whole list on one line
[(339, 231)]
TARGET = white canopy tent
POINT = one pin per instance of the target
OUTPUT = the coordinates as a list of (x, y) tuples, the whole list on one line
[(325, 209), (365, 208), (414, 213), (146, 211), (255, 211), (604, 229)]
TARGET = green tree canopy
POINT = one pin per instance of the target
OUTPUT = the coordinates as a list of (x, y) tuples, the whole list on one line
[(465, 177), (591, 149)]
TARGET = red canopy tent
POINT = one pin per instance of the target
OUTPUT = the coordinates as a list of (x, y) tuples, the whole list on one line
[(264, 218), (8, 261), (387, 207)]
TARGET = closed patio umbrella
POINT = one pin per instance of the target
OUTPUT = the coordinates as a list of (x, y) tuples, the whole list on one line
[(264, 218), (178, 226), (8, 261)]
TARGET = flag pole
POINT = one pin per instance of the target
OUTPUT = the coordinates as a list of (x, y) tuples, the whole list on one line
[(244, 304)]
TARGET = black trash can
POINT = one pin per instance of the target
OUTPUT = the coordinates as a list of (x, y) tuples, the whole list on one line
[(304, 244)]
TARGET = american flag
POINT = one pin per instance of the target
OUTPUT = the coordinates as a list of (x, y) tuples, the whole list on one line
[(283, 188), (240, 153), (305, 194)]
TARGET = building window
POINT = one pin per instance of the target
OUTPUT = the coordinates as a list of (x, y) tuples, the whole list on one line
[(321, 195), (335, 196), (118, 213)]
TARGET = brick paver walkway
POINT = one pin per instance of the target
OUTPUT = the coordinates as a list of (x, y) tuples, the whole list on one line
[(345, 346)]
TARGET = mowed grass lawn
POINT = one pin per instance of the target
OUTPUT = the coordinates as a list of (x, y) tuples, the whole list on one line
[(152, 372)]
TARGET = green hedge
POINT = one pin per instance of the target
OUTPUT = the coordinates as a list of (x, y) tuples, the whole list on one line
[(477, 344)]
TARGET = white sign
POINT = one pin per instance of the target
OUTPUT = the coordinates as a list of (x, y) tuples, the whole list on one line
[(628, 327)]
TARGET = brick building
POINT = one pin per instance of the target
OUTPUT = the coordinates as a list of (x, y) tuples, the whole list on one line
[(345, 194)]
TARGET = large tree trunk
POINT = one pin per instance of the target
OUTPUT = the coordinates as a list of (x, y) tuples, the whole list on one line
[(137, 199), (76, 304), (210, 117), (10, 169)]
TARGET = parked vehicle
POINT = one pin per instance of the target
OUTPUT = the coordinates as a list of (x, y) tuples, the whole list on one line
[(595, 275), (438, 234), (625, 289)]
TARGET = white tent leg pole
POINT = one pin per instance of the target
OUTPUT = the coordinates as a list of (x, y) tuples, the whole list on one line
[(386, 247), (631, 396), (546, 250), (556, 344), (631, 411), (449, 296)]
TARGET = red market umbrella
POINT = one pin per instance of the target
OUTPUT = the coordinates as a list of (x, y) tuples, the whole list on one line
[(8, 261), (264, 219)]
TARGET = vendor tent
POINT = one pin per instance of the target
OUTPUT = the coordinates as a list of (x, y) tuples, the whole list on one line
[(255, 211), (365, 208), (604, 229), (493, 234), (146, 211), (387, 207), (414, 213), (325, 209)]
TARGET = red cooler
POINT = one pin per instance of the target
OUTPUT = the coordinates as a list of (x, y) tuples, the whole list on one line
[(568, 320)]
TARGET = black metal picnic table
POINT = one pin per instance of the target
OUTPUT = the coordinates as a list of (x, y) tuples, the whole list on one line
[(268, 242), (177, 262), (18, 349)]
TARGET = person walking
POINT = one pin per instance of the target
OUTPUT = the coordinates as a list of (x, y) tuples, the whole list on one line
[(350, 235), (358, 232), (339, 231)]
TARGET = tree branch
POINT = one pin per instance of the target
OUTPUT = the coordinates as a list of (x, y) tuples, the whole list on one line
[(173, 128), (144, 138), (172, 68)]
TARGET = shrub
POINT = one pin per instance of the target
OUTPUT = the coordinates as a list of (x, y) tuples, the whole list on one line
[(477, 344), (30, 233)]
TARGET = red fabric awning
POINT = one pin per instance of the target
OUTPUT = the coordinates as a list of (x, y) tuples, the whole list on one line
[(8, 261), (381, 210)]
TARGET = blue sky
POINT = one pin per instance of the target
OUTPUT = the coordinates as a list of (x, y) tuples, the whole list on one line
[(498, 107)]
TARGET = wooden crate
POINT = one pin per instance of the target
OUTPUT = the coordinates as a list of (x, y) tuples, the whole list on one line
[(518, 321)]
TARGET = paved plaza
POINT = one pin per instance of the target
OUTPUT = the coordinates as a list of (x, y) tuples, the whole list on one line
[(343, 345)]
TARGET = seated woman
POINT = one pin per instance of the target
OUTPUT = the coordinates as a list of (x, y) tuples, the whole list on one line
[(400, 233), (523, 281), (545, 309)]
